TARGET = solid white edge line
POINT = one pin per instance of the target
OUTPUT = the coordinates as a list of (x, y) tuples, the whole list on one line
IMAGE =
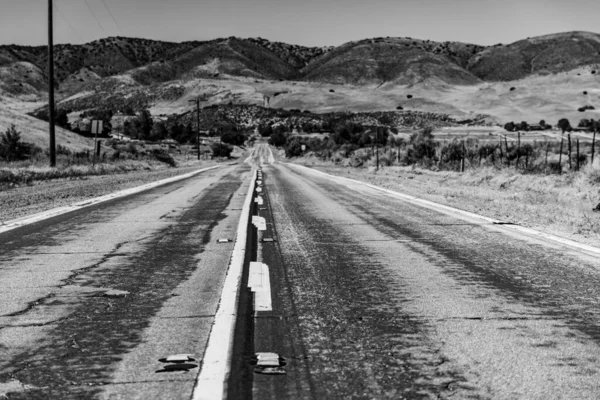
[(443, 208), (30, 219), (211, 383)]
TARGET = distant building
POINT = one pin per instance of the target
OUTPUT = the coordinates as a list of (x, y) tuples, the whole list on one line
[(81, 125), (581, 129)]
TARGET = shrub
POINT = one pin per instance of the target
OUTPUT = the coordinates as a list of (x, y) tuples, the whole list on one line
[(12, 148), (62, 150), (512, 88), (409, 96), (293, 148), (277, 139), (234, 138), (163, 156), (331, 91), (399, 108), (584, 108), (221, 150), (421, 147)]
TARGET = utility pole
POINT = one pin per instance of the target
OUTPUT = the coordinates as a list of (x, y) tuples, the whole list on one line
[(51, 87), (197, 101)]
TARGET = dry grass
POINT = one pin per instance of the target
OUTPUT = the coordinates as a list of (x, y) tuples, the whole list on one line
[(12, 175), (561, 205)]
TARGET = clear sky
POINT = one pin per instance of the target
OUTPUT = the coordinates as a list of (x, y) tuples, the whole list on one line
[(303, 22)]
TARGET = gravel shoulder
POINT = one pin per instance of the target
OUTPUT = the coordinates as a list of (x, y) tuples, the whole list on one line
[(558, 205), (45, 195)]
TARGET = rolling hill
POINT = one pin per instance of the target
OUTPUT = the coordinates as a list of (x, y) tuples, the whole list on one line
[(534, 56), (378, 61), (543, 77)]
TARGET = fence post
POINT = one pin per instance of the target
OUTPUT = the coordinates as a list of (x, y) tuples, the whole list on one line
[(577, 154), (462, 164), (560, 155), (570, 161), (518, 149), (506, 144), (500, 147), (593, 145), (546, 162)]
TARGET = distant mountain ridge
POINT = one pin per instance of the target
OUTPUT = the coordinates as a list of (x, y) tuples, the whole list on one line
[(374, 61)]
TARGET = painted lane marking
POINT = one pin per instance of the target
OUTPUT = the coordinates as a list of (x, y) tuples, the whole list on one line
[(259, 282), (465, 214), (30, 219), (258, 276), (211, 383), (259, 222)]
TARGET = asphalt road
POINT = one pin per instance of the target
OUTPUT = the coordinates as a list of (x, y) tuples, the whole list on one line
[(377, 298), (91, 300), (372, 297)]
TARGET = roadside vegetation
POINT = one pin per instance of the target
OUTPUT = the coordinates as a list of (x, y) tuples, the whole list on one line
[(547, 185), (358, 145), (23, 163)]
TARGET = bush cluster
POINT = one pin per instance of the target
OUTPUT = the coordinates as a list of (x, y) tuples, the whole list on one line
[(12, 148)]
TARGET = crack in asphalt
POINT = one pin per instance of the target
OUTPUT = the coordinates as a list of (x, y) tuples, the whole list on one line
[(67, 281)]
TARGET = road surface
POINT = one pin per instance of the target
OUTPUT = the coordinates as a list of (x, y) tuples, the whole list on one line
[(365, 295)]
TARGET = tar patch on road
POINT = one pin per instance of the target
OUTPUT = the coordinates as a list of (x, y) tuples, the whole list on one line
[(82, 350)]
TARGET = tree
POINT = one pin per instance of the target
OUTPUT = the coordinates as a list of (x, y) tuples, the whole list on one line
[(177, 132), (11, 146), (159, 131), (234, 138), (583, 123), (509, 126), (128, 110), (293, 148), (130, 129), (564, 125), (221, 150), (143, 124), (265, 130), (523, 126), (422, 146), (277, 139), (62, 118)]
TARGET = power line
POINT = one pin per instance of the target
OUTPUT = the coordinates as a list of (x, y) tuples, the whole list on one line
[(112, 16), (62, 16), (96, 18)]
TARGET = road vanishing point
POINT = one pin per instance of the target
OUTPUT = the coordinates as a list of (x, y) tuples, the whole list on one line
[(267, 280)]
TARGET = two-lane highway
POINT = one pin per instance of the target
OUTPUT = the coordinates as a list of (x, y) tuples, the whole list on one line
[(354, 293)]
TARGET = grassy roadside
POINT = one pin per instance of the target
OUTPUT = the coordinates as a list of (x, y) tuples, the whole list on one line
[(556, 204), (13, 177)]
